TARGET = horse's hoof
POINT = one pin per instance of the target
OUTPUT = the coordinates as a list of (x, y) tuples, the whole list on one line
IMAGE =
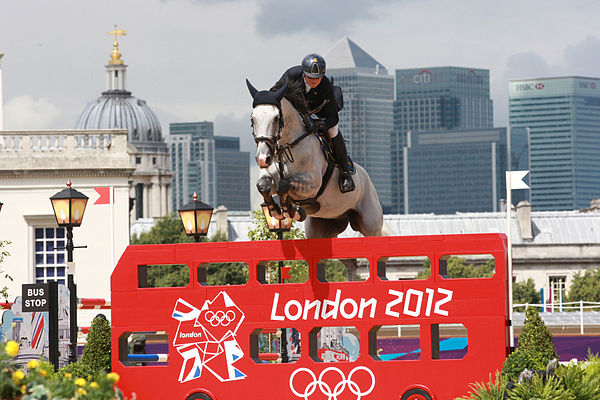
[(300, 214)]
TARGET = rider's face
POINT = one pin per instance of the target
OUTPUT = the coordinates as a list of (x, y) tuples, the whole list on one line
[(312, 82)]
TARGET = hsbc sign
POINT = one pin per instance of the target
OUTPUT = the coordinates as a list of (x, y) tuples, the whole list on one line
[(522, 87)]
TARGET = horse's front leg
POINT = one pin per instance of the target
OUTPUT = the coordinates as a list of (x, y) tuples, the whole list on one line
[(264, 186)]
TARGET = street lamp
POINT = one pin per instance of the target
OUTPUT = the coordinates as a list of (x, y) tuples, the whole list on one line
[(195, 217), (69, 207), (279, 226)]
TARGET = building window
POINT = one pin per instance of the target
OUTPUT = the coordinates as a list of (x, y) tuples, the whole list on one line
[(557, 289), (50, 263), (138, 160)]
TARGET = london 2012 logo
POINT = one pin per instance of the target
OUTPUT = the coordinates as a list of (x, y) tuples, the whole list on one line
[(205, 338)]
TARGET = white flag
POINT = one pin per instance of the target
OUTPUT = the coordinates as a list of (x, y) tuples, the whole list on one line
[(516, 179)]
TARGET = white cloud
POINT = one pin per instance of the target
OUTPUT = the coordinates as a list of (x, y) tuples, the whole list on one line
[(27, 112)]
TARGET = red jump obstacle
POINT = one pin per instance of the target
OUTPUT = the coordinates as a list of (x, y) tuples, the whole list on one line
[(207, 342)]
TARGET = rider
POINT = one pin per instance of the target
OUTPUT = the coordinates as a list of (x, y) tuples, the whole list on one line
[(318, 88)]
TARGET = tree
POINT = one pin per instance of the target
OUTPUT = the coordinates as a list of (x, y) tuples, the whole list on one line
[(4, 254), (457, 267), (168, 229), (535, 347), (524, 292), (585, 287), (259, 230)]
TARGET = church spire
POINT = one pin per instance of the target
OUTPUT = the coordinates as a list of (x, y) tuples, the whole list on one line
[(116, 68)]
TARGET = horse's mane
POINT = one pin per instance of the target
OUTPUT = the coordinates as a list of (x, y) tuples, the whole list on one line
[(295, 95)]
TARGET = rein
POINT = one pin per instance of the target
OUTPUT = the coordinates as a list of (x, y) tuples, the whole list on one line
[(281, 150)]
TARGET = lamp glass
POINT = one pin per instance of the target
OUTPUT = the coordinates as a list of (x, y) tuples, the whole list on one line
[(61, 211), (77, 210), (202, 221), (187, 219)]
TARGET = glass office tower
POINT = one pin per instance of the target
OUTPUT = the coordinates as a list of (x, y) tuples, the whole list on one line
[(192, 149), (367, 118), (459, 172), (233, 174), (562, 116), (436, 99)]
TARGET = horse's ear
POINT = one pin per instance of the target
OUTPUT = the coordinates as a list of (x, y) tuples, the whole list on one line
[(279, 93), (251, 88)]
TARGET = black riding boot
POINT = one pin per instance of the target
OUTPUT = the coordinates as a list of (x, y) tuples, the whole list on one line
[(341, 157)]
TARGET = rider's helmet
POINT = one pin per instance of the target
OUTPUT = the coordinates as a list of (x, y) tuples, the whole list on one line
[(313, 66)]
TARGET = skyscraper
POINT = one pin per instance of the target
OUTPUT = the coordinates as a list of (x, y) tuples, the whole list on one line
[(366, 120), (458, 171), (233, 174), (563, 118), (436, 99), (192, 148)]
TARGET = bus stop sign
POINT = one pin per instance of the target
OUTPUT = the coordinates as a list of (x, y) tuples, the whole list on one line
[(36, 297)]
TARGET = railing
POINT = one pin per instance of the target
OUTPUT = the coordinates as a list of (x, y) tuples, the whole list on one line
[(581, 306), (26, 149)]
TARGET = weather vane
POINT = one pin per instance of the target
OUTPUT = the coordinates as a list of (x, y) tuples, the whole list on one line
[(118, 32), (116, 55)]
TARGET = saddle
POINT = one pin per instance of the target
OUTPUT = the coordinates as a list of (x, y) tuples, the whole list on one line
[(312, 205)]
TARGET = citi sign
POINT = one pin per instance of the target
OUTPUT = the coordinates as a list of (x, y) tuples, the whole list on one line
[(422, 77), (521, 87)]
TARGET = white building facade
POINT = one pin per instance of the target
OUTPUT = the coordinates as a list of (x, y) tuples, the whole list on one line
[(34, 165)]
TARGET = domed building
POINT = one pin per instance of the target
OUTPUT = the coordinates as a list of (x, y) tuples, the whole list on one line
[(116, 108)]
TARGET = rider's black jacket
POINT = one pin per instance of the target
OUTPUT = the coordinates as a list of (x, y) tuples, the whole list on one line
[(314, 97)]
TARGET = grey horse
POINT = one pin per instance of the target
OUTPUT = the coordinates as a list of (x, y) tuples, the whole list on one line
[(293, 166)]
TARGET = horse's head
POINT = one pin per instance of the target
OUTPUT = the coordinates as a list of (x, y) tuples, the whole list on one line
[(267, 122)]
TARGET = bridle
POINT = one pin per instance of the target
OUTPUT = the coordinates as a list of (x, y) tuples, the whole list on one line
[(277, 149)]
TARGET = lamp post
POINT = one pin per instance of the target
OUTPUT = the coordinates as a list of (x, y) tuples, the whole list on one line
[(69, 207), (195, 217), (279, 226)]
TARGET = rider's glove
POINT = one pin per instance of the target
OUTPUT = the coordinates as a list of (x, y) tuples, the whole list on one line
[(315, 125)]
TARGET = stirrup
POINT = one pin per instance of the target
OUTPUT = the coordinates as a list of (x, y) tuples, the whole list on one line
[(345, 177)]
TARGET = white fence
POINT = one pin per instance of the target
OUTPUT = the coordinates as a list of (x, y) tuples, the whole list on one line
[(580, 313)]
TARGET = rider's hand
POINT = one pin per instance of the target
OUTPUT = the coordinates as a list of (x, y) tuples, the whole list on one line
[(315, 125)]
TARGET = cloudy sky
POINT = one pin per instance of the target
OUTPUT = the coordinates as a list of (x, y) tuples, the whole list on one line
[(188, 58)]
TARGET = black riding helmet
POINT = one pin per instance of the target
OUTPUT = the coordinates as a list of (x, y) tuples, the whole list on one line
[(313, 66)]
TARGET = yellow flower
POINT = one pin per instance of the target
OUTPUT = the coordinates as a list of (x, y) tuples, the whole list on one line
[(81, 392), (113, 376), (18, 377), (43, 373), (68, 375), (24, 389), (80, 382), (94, 385), (12, 348), (33, 364)]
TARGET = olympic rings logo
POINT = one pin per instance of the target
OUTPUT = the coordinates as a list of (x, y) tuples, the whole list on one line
[(337, 389), (219, 317)]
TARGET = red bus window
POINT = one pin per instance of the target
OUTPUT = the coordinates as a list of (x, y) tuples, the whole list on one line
[(449, 341), (334, 344), (267, 345), (144, 349), (338, 270), (223, 273), (395, 342), (404, 268), (291, 271), (467, 266), (163, 275)]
